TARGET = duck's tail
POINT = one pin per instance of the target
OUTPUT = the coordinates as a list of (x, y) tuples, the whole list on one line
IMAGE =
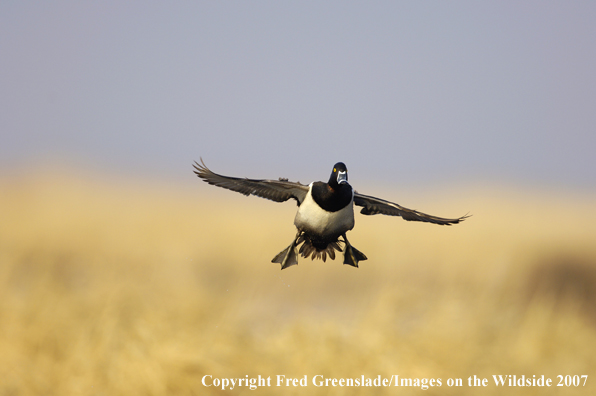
[(317, 249)]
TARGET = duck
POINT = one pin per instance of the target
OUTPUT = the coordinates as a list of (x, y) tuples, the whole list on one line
[(325, 212)]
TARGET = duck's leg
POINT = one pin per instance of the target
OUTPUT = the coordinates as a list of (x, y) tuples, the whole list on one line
[(288, 256), (352, 255)]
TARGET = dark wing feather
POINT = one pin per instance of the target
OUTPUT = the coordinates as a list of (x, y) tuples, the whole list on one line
[(374, 205), (275, 190)]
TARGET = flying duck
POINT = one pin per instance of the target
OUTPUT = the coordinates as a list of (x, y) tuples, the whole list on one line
[(325, 211)]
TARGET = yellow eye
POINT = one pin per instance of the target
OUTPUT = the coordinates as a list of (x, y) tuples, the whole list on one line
[(334, 170)]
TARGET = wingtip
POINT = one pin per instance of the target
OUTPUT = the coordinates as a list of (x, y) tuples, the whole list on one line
[(460, 219), (201, 168)]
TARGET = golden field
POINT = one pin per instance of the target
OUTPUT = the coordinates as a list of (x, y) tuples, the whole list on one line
[(114, 287)]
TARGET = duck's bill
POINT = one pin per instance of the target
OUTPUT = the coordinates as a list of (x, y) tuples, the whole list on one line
[(342, 177)]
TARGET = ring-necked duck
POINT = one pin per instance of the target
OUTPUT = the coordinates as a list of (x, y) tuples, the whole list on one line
[(325, 211)]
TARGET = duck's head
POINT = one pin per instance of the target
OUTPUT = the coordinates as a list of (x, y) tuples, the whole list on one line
[(339, 175)]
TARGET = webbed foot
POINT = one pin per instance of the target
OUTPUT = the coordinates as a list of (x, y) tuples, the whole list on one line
[(352, 255), (289, 256)]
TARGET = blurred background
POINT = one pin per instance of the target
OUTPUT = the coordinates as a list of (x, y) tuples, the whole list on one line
[(122, 273)]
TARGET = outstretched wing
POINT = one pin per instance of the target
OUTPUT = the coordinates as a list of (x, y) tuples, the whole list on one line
[(275, 190), (374, 205)]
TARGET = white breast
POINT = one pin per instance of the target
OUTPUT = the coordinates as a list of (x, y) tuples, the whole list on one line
[(314, 220)]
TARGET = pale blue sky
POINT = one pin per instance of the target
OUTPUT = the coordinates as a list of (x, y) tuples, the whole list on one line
[(418, 92)]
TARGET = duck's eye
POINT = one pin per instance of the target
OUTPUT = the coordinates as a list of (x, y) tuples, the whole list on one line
[(334, 170)]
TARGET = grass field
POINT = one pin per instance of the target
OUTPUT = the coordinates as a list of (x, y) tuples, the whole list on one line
[(108, 287)]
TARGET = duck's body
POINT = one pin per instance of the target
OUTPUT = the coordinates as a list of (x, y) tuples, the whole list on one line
[(326, 223), (325, 212)]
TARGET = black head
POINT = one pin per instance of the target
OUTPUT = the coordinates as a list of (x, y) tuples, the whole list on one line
[(339, 176)]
